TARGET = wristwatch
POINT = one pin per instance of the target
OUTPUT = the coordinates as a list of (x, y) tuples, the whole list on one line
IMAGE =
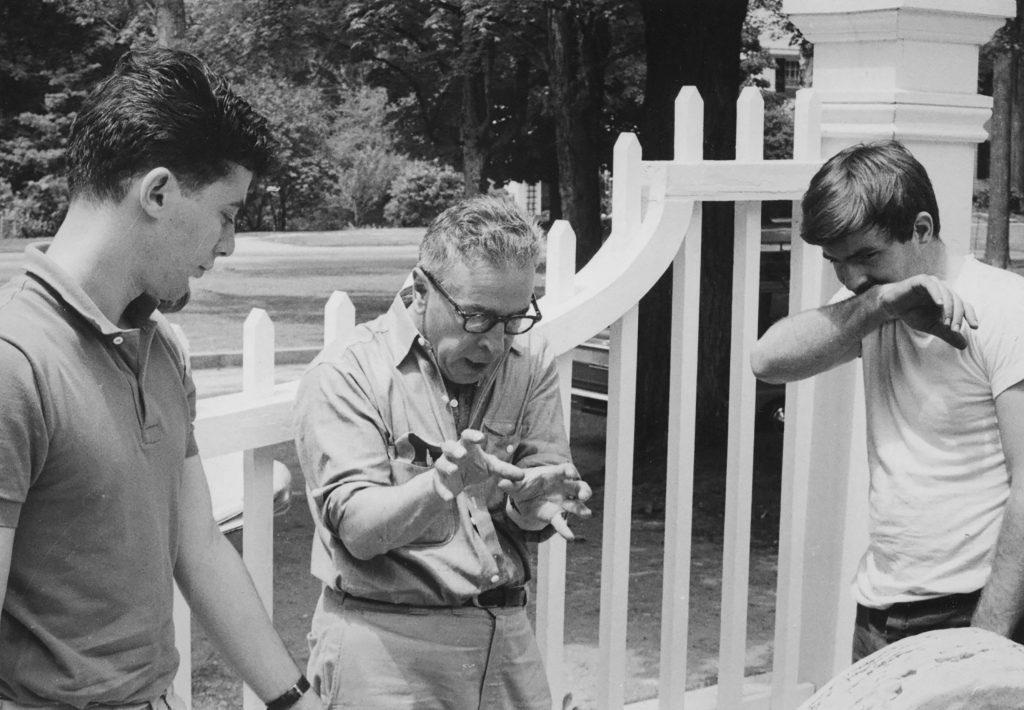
[(291, 696)]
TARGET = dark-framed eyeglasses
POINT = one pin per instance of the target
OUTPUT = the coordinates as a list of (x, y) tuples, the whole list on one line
[(514, 324)]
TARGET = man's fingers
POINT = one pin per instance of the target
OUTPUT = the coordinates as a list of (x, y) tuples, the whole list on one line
[(583, 491), (576, 507), (970, 316), (566, 470), (472, 436), (954, 338), (505, 470), (454, 450), (957, 314), (561, 527)]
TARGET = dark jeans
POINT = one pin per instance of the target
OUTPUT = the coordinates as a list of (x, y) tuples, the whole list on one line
[(877, 628)]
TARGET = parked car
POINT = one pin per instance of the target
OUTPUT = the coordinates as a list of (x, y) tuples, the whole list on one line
[(224, 476), (590, 359)]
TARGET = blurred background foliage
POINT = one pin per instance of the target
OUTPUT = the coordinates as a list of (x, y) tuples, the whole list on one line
[(386, 111)]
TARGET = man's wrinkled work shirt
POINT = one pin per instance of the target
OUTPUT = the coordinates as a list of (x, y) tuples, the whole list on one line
[(372, 410)]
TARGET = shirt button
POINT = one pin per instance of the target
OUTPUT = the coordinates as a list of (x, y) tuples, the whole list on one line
[(454, 404), (118, 340), (494, 579)]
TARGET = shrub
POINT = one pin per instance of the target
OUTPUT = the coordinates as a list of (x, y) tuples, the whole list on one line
[(421, 192), (778, 126), (36, 210)]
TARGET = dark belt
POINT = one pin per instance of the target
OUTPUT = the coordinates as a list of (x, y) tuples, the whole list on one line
[(926, 607), (491, 599), (501, 596)]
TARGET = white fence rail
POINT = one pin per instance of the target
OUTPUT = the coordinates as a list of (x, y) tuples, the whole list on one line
[(656, 223)]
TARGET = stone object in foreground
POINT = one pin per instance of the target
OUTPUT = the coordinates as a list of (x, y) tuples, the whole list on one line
[(951, 669)]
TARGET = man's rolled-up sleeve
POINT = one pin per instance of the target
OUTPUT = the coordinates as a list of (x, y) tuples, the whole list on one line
[(542, 437), (340, 438)]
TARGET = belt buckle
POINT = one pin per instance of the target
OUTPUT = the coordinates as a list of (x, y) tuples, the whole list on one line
[(497, 593), (501, 596)]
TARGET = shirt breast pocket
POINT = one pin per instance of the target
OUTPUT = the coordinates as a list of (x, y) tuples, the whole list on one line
[(442, 528), (502, 438)]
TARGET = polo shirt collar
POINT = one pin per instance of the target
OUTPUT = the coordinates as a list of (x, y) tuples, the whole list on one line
[(403, 335), (60, 282)]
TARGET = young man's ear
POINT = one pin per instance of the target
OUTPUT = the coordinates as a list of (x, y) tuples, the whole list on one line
[(924, 228), (155, 188)]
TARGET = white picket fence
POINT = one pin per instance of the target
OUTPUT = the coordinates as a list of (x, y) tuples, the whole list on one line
[(656, 223)]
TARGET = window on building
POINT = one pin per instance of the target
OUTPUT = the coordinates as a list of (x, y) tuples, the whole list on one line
[(792, 73)]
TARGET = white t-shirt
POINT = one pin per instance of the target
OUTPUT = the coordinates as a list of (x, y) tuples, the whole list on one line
[(939, 480)]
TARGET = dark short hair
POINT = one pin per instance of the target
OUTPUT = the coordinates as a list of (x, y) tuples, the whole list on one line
[(162, 108), (486, 228), (868, 186)]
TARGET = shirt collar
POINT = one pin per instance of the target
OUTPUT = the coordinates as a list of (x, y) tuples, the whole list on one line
[(67, 289)]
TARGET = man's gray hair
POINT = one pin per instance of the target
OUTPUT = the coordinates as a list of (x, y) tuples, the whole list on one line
[(486, 228)]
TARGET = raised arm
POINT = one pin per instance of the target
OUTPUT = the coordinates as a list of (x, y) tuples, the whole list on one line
[(820, 339)]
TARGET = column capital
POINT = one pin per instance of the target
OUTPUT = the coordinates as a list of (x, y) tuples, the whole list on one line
[(949, 21)]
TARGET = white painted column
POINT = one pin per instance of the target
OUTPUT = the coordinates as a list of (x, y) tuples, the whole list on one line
[(904, 69)]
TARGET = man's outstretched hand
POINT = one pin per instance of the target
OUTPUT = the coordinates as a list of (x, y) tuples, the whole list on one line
[(547, 493), (465, 463)]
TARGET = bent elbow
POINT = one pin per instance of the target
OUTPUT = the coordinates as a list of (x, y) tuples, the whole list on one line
[(362, 548), (764, 368)]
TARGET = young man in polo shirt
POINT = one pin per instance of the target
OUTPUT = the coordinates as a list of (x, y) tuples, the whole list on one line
[(103, 499)]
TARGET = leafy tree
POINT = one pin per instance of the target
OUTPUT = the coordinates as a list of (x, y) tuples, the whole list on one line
[(421, 192), (363, 146), (295, 194), (51, 53)]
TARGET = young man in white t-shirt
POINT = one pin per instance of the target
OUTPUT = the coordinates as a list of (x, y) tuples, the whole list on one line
[(941, 339)]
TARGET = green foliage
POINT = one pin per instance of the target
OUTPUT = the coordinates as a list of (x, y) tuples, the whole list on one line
[(298, 191), (362, 144), (778, 126), (38, 208), (422, 192), (51, 53)]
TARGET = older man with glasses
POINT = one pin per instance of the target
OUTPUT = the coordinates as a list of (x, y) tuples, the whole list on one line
[(433, 448)]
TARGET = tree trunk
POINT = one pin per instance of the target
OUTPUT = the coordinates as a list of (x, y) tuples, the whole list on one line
[(474, 122), (578, 44), (695, 43), (997, 243), (1017, 133), (170, 22)]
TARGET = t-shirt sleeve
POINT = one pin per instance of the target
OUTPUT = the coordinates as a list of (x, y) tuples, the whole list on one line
[(23, 436), (1000, 335)]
